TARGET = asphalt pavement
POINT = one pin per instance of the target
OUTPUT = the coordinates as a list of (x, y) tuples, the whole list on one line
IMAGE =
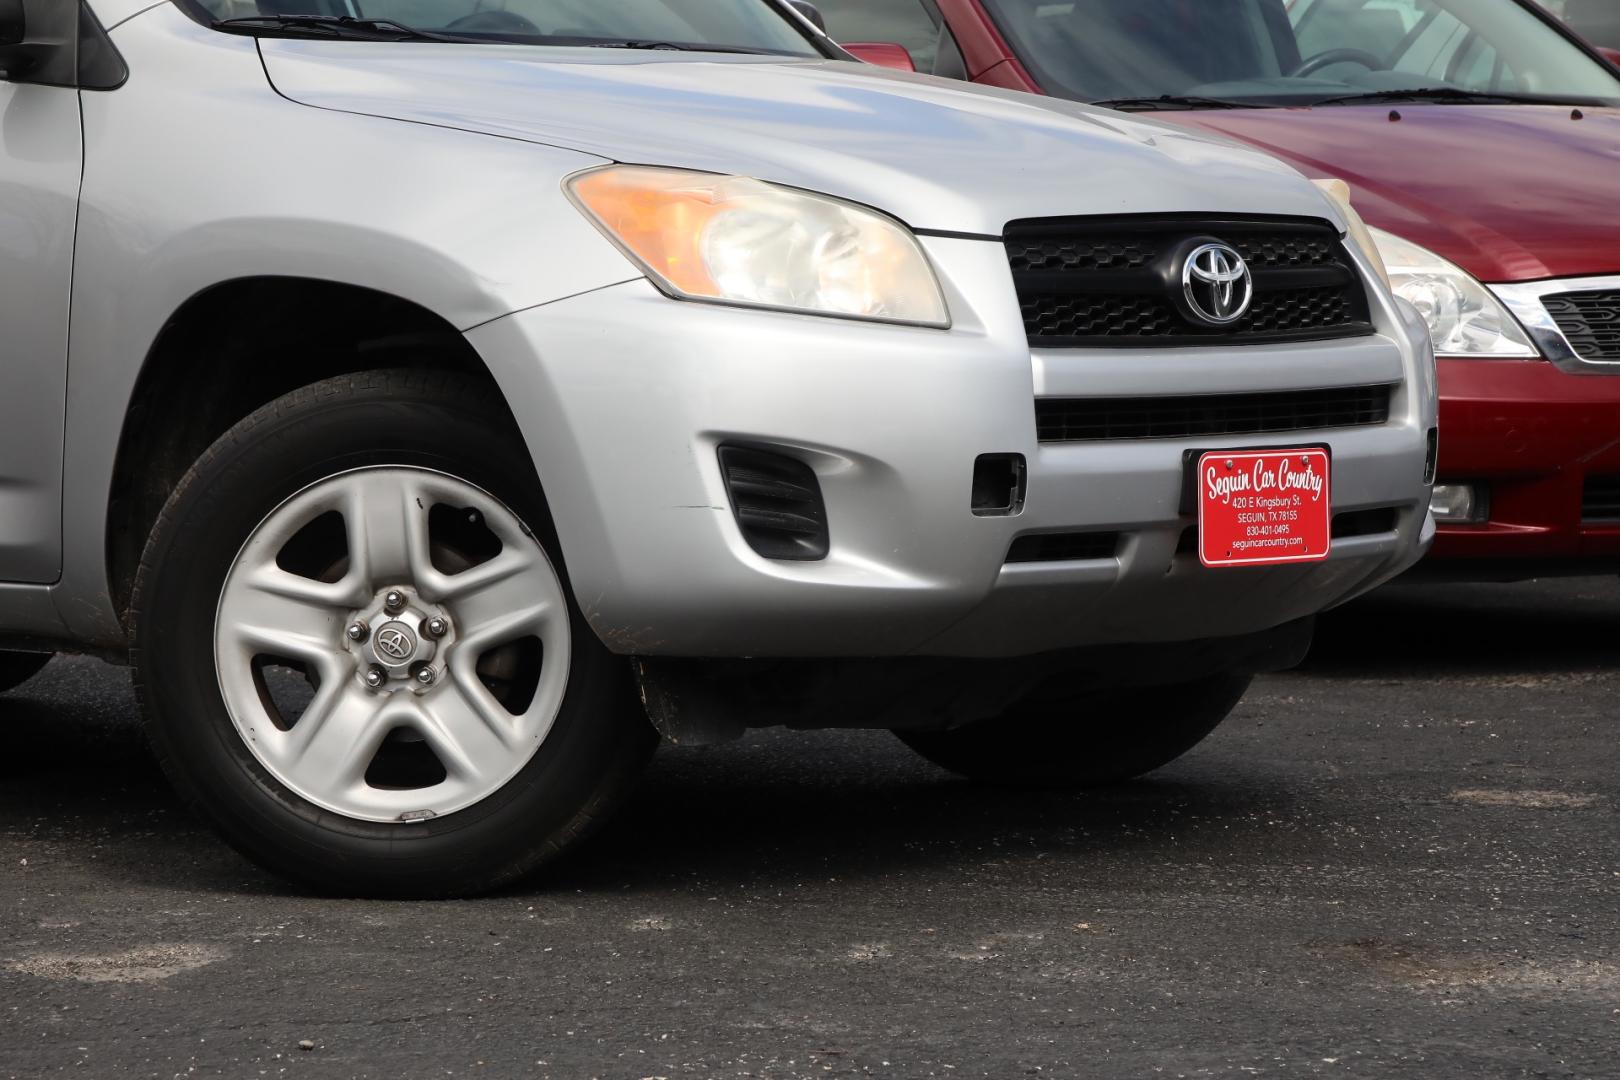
[(1401, 861)]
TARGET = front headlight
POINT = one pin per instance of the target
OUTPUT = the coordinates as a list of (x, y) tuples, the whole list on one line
[(1464, 318), (734, 240)]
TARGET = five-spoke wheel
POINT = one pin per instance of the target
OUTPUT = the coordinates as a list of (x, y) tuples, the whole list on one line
[(451, 641), (358, 652)]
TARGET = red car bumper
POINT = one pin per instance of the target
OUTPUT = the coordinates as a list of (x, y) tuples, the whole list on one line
[(1533, 437)]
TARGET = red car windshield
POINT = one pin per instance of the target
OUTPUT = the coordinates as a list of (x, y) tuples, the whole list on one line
[(1272, 52)]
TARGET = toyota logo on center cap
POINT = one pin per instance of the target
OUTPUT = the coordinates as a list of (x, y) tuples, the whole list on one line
[(394, 642), (1217, 284)]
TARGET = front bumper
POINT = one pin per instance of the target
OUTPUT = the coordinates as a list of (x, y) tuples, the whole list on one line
[(624, 397), (1533, 436)]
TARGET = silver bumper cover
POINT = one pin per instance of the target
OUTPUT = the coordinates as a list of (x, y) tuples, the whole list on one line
[(624, 397)]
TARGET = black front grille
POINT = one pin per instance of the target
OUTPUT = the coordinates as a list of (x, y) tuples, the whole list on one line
[(777, 502), (1090, 419), (1115, 281), (1063, 547), (1601, 500), (1591, 322)]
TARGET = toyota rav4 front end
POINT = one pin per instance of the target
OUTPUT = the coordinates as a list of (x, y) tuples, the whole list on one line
[(458, 398)]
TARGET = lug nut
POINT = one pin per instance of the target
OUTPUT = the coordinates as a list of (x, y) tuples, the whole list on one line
[(375, 676), (394, 601), (424, 676), (358, 630), (436, 627)]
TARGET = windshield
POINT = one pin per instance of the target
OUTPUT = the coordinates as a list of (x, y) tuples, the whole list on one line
[(1272, 52), (727, 25)]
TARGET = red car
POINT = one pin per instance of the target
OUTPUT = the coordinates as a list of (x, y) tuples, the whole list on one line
[(1481, 141)]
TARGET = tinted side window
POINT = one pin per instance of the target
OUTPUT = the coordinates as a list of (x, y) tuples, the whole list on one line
[(902, 22), (1378, 27), (1439, 39), (1415, 37)]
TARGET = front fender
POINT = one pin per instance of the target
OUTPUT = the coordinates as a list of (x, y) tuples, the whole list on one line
[(197, 173)]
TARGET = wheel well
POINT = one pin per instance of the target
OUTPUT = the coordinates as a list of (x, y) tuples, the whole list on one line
[(235, 347)]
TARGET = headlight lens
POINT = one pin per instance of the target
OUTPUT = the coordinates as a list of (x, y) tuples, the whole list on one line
[(741, 241), (1464, 318)]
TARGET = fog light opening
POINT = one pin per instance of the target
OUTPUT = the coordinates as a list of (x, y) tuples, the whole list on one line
[(1459, 504), (777, 502)]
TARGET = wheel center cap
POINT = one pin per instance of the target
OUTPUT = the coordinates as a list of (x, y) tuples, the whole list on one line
[(395, 645)]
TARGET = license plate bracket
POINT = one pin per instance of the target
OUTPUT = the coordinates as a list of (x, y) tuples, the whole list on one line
[(1261, 507)]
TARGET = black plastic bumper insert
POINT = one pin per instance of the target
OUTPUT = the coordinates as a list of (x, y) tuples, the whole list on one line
[(777, 502)]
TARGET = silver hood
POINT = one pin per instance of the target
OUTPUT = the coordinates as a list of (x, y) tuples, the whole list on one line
[(939, 155)]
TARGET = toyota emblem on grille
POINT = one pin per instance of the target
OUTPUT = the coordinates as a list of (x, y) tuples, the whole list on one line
[(395, 643), (1217, 284)]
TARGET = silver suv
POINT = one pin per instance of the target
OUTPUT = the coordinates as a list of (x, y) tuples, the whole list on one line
[(435, 401)]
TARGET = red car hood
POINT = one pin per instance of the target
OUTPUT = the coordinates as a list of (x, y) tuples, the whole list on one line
[(1509, 192)]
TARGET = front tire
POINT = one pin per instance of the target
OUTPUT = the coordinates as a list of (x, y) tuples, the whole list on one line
[(358, 654), (1093, 739)]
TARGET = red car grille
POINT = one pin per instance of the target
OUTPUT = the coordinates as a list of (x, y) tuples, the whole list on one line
[(1591, 322)]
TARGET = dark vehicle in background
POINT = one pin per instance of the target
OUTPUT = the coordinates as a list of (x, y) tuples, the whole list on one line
[(1478, 138), (1598, 21)]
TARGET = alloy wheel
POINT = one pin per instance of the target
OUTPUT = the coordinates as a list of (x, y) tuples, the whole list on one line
[(392, 644)]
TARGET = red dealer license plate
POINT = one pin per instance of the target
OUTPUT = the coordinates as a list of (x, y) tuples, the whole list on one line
[(1263, 507)]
